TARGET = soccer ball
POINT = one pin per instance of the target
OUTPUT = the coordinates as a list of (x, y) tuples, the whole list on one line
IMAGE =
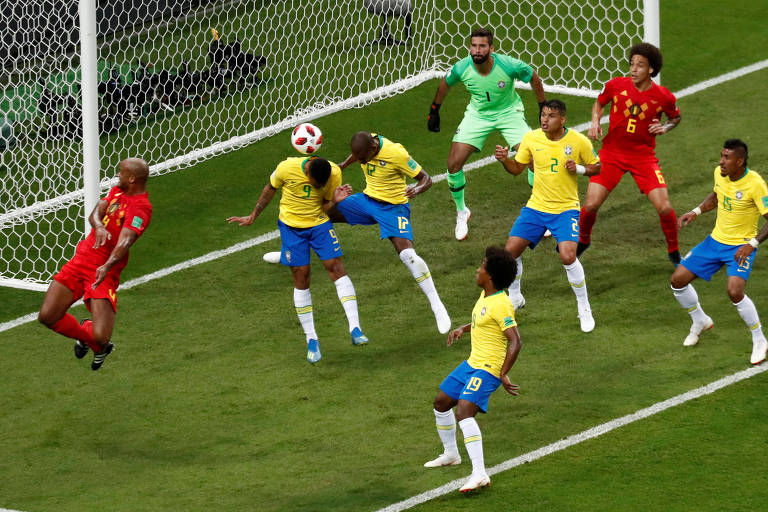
[(307, 138)]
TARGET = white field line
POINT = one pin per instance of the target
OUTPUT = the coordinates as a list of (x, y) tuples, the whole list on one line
[(583, 436), (528, 457), (438, 178)]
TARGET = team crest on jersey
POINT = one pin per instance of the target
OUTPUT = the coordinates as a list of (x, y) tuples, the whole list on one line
[(382, 163), (113, 206), (502, 84), (288, 256), (482, 311), (739, 194), (568, 150), (634, 109)]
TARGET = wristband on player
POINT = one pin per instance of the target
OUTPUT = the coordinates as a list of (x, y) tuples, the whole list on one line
[(754, 243), (697, 211), (580, 169)]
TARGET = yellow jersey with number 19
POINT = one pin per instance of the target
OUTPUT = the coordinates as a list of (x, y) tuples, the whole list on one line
[(555, 190), (385, 173), (740, 204), (491, 316), (301, 204)]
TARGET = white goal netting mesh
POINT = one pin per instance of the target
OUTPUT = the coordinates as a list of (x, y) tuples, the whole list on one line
[(184, 80)]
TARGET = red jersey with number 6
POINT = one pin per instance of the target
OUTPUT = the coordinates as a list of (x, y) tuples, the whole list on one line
[(632, 112), (132, 212)]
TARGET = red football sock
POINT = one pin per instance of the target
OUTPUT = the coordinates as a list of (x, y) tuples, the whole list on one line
[(669, 227), (69, 326), (586, 221)]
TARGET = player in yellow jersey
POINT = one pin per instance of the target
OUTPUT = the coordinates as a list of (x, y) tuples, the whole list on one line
[(741, 197), (495, 346), (384, 201), (558, 156), (308, 185)]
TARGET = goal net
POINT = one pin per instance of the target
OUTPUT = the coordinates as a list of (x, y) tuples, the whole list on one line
[(181, 81)]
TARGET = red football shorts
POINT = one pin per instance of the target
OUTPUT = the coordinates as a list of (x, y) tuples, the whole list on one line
[(78, 275), (644, 169)]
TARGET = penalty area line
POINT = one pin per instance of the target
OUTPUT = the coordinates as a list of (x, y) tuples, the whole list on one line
[(584, 436)]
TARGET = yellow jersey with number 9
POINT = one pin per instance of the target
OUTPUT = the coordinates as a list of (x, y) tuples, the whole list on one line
[(301, 204), (491, 316), (385, 173), (740, 204), (555, 190)]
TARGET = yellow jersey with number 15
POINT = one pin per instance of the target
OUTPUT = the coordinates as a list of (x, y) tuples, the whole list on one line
[(491, 316), (385, 173), (740, 204), (555, 190), (301, 205)]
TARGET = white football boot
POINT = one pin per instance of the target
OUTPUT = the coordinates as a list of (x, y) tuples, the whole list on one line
[(696, 331), (272, 257), (476, 482), (759, 349), (442, 318), (445, 459), (518, 301), (585, 317), (462, 217)]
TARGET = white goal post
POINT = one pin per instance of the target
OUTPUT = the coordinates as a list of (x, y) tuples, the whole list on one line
[(86, 83)]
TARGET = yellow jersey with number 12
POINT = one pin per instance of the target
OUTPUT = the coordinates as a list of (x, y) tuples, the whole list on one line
[(740, 204), (385, 173), (301, 205), (555, 190), (491, 316)]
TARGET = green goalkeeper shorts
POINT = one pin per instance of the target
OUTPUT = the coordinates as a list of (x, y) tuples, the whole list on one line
[(473, 129)]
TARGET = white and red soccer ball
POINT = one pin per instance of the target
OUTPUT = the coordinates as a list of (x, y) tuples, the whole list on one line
[(307, 138)]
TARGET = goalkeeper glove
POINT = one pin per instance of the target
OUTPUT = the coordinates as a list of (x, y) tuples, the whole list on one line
[(433, 120)]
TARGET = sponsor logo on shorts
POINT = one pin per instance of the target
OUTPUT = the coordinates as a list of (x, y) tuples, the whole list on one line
[(502, 84)]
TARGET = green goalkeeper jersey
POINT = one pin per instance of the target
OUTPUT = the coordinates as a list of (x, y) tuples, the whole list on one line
[(494, 94)]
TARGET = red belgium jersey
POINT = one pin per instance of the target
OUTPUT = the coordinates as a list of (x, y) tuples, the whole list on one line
[(132, 212), (632, 112)]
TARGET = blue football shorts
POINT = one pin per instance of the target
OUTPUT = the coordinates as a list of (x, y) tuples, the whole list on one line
[(394, 220), (471, 384), (706, 258), (531, 225), (296, 243)]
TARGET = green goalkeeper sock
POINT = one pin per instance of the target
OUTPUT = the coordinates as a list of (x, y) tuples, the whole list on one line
[(456, 184)]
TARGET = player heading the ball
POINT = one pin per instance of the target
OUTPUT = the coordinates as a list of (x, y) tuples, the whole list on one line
[(307, 187)]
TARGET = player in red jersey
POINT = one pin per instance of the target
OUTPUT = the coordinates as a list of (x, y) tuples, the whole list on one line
[(93, 274), (637, 104)]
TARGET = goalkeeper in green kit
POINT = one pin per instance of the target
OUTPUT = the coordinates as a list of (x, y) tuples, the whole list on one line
[(494, 105)]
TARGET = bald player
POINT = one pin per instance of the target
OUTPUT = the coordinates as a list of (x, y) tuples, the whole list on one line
[(93, 274)]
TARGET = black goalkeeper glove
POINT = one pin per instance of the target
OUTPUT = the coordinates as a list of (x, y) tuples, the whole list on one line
[(433, 121)]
